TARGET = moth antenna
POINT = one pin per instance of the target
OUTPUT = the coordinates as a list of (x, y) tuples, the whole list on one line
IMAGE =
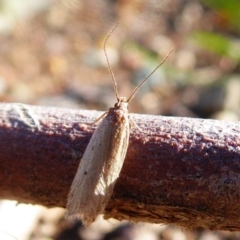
[(159, 65), (109, 67)]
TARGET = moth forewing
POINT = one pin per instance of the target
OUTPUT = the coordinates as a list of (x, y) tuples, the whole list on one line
[(100, 166)]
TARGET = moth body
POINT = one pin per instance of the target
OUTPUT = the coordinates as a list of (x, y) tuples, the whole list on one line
[(100, 165)]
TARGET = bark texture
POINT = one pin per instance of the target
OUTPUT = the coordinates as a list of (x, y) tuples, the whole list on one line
[(177, 170)]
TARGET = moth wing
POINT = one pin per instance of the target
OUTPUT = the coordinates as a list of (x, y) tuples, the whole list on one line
[(98, 170)]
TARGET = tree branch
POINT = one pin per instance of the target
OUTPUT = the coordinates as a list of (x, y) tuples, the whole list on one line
[(185, 171)]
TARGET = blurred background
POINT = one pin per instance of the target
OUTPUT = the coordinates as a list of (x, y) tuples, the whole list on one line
[(51, 54)]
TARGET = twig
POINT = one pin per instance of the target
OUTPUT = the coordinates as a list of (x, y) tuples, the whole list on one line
[(185, 171)]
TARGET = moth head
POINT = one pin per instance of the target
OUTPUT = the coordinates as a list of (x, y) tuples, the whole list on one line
[(122, 103), (122, 99)]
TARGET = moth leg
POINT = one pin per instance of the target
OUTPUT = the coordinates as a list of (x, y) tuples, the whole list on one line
[(133, 124), (99, 118)]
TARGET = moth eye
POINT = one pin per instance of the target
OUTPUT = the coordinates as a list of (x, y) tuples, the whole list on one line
[(85, 173)]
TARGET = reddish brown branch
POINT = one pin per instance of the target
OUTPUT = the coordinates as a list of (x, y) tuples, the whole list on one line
[(185, 171)]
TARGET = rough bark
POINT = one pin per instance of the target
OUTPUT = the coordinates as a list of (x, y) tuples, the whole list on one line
[(177, 170)]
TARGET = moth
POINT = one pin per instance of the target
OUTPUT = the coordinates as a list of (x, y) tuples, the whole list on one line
[(103, 158)]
